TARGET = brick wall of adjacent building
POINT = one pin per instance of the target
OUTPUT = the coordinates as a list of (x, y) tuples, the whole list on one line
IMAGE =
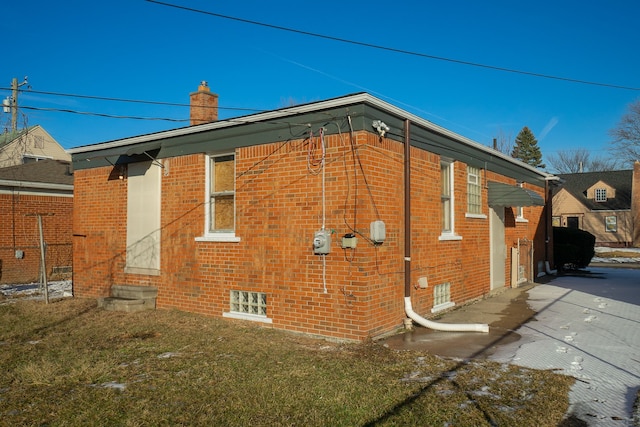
[(19, 232), (348, 294)]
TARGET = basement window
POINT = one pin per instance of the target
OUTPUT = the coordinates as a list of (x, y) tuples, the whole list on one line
[(248, 306), (442, 297)]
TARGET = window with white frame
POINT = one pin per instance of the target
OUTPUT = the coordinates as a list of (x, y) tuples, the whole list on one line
[(601, 194), (254, 303), (519, 209), (446, 198), (220, 204), (474, 191), (611, 224), (442, 297)]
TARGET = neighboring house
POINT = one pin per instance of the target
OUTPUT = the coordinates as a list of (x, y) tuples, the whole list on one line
[(601, 203), (299, 217), (44, 188), (29, 145)]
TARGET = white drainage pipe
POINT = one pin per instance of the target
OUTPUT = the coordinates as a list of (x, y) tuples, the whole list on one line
[(548, 269), (447, 327)]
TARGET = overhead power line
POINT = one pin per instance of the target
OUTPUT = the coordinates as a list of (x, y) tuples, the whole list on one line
[(396, 50), (111, 116), (137, 101)]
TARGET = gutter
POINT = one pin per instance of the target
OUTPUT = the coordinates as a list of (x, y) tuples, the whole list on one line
[(449, 327), (40, 185)]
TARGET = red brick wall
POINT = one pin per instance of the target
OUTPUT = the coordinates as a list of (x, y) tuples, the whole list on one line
[(99, 231), (19, 231), (279, 206), (532, 229)]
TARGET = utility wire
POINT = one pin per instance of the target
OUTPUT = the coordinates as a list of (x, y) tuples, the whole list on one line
[(396, 50), (137, 101), (111, 116)]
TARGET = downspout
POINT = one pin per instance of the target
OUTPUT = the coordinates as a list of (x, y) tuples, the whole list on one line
[(548, 241), (448, 327)]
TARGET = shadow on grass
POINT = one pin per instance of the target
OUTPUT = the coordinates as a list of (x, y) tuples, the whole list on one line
[(570, 421), (44, 328)]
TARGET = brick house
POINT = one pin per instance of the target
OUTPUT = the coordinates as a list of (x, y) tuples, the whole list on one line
[(606, 204), (42, 188), (296, 217)]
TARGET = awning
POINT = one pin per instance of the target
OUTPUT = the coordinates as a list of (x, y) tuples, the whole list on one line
[(512, 195), (143, 148)]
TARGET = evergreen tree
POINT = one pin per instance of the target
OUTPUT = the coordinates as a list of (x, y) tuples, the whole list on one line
[(526, 149)]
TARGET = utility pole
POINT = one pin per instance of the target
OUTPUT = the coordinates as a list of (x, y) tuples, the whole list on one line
[(14, 102)]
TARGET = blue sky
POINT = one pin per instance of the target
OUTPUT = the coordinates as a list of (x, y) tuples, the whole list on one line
[(139, 50)]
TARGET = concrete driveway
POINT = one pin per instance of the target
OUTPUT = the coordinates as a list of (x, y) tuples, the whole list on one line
[(586, 325)]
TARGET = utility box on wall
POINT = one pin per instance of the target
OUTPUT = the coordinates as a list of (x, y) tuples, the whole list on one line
[(322, 242), (378, 232)]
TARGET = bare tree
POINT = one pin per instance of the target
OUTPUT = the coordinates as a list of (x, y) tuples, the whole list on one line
[(626, 136), (580, 160), (503, 143)]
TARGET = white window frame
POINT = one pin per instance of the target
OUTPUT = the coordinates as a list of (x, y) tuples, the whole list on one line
[(442, 297), (447, 166), (520, 210), (474, 190), (238, 310), (209, 235), (34, 158), (600, 195)]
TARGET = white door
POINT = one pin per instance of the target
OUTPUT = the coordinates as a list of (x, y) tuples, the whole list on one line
[(498, 248), (143, 218)]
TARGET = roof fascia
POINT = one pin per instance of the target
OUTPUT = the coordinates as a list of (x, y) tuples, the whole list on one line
[(39, 185), (292, 122)]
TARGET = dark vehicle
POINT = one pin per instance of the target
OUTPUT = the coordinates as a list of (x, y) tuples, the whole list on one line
[(572, 248)]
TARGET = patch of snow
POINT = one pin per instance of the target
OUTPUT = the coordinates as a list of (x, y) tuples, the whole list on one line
[(32, 291), (586, 327), (167, 355), (634, 255), (112, 384)]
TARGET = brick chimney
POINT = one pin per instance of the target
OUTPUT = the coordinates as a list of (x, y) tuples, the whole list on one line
[(635, 205), (204, 105)]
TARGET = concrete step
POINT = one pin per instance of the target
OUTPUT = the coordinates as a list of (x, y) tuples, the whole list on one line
[(130, 298), (134, 292)]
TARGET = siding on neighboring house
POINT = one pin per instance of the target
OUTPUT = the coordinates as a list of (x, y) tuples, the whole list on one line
[(29, 145), (44, 188), (282, 197), (613, 219)]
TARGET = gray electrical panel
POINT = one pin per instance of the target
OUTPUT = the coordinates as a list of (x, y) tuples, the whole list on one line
[(378, 232)]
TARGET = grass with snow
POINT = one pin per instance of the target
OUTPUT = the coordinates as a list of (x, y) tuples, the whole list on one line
[(70, 363)]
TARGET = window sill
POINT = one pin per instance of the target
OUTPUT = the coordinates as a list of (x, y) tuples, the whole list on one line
[(449, 237), (521, 219), (472, 215), (218, 238), (247, 316), (441, 307), (142, 271)]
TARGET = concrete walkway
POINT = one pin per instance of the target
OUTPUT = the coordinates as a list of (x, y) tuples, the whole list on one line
[(586, 325)]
